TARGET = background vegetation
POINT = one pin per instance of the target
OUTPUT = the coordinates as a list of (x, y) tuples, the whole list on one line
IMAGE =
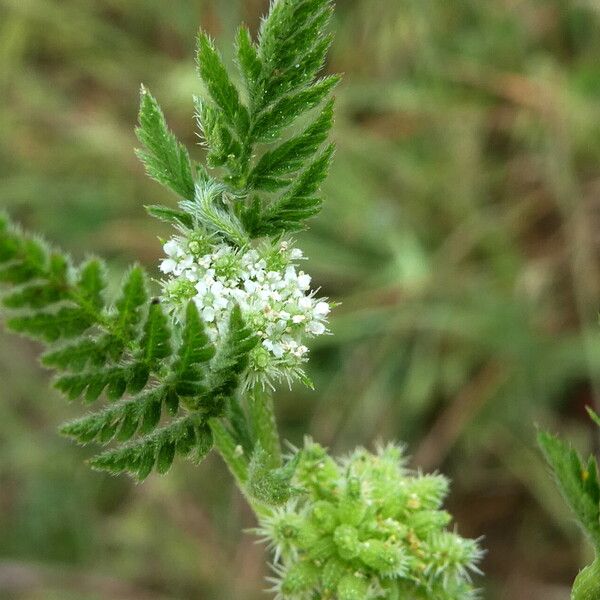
[(460, 234)]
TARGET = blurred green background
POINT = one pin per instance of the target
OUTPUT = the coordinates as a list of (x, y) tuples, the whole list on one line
[(461, 233)]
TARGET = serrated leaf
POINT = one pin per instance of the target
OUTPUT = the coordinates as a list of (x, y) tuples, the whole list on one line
[(30, 261), (247, 56), (229, 363), (166, 454), (75, 355), (165, 158), (35, 295), (290, 156), (270, 123), (140, 456), (131, 303), (195, 348), (157, 335), (122, 419), (210, 209), (138, 378), (93, 383), (578, 485), (91, 283), (151, 415), (218, 84), (64, 323), (170, 215), (289, 212)]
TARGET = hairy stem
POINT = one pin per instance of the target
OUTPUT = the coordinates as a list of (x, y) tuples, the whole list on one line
[(233, 455), (264, 424)]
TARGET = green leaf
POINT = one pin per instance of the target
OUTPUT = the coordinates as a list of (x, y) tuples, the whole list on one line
[(51, 326), (224, 149), (157, 335), (75, 355), (229, 362), (139, 457), (94, 382), (91, 283), (195, 349), (170, 215), (165, 158), (269, 124), (219, 86), (578, 484), (290, 156), (249, 63), (210, 209), (289, 212), (35, 295), (30, 260), (130, 304), (289, 39), (9, 243)]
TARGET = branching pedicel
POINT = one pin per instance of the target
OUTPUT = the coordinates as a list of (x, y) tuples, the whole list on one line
[(195, 367)]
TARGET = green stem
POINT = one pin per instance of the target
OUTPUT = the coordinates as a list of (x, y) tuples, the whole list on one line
[(264, 424), (233, 455), (587, 583)]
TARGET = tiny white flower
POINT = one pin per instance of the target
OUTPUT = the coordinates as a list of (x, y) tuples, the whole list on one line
[(322, 309), (208, 314), (316, 328), (167, 265), (201, 287), (277, 350), (305, 302), (303, 281), (172, 248)]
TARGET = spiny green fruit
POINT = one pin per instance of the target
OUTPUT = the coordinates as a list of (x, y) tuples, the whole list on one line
[(364, 528)]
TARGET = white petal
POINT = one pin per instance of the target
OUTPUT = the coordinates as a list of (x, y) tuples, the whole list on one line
[(202, 288), (303, 281), (322, 308), (167, 265), (216, 288), (316, 328), (277, 350), (305, 302), (208, 314), (171, 248)]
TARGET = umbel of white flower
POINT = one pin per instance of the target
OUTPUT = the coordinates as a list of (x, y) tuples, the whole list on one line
[(274, 296)]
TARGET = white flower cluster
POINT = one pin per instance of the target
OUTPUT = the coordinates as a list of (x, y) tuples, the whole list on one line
[(274, 296)]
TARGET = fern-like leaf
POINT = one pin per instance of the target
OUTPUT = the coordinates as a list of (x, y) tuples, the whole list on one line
[(166, 160), (146, 364)]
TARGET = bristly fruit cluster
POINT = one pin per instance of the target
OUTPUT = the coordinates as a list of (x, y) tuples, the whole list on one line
[(365, 528)]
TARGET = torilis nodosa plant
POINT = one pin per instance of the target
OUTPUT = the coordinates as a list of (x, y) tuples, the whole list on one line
[(193, 364)]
